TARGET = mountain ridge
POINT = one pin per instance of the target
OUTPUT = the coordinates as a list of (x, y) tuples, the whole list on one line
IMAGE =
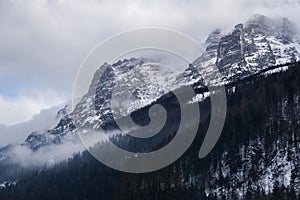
[(228, 51)]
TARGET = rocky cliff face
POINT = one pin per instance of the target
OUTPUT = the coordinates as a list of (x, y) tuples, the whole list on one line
[(259, 43), (145, 80)]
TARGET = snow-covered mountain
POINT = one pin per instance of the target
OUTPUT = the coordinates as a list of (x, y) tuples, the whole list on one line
[(144, 79), (249, 48)]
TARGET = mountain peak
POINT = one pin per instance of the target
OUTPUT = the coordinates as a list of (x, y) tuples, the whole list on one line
[(214, 37), (259, 19), (249, 47), (281, 28)]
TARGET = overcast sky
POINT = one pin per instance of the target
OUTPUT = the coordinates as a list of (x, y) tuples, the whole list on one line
[(43, 42)]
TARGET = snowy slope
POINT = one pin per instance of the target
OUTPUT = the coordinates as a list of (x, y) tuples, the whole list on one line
[(259, 43)]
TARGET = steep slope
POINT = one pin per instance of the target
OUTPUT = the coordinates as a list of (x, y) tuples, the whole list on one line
[(259, 43), (145, 80)]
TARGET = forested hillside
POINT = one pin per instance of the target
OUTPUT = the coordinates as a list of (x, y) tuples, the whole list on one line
[(257, 156)]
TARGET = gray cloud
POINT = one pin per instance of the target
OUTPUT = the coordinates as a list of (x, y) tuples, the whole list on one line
[(43, 42)]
